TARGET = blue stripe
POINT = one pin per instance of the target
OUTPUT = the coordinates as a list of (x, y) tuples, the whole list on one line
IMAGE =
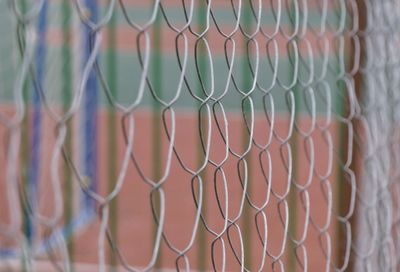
[(34, 161), (90, 108)]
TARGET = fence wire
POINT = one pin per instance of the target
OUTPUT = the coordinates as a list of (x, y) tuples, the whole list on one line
[(292, 106)]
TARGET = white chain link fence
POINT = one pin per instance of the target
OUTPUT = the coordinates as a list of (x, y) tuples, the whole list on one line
[(222, 135)]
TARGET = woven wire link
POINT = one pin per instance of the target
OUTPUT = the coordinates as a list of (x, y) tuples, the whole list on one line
[(320, 131)]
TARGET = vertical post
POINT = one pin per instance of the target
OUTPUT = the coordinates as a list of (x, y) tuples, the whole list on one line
[(295, 164), (27, 223), (67, 96), (202, 238), (157, 140), (112, 137), (247, 82)]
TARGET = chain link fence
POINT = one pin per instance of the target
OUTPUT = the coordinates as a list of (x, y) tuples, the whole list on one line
[(199, 135)]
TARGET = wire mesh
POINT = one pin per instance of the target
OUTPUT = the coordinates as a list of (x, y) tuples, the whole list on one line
[(199, 135)]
